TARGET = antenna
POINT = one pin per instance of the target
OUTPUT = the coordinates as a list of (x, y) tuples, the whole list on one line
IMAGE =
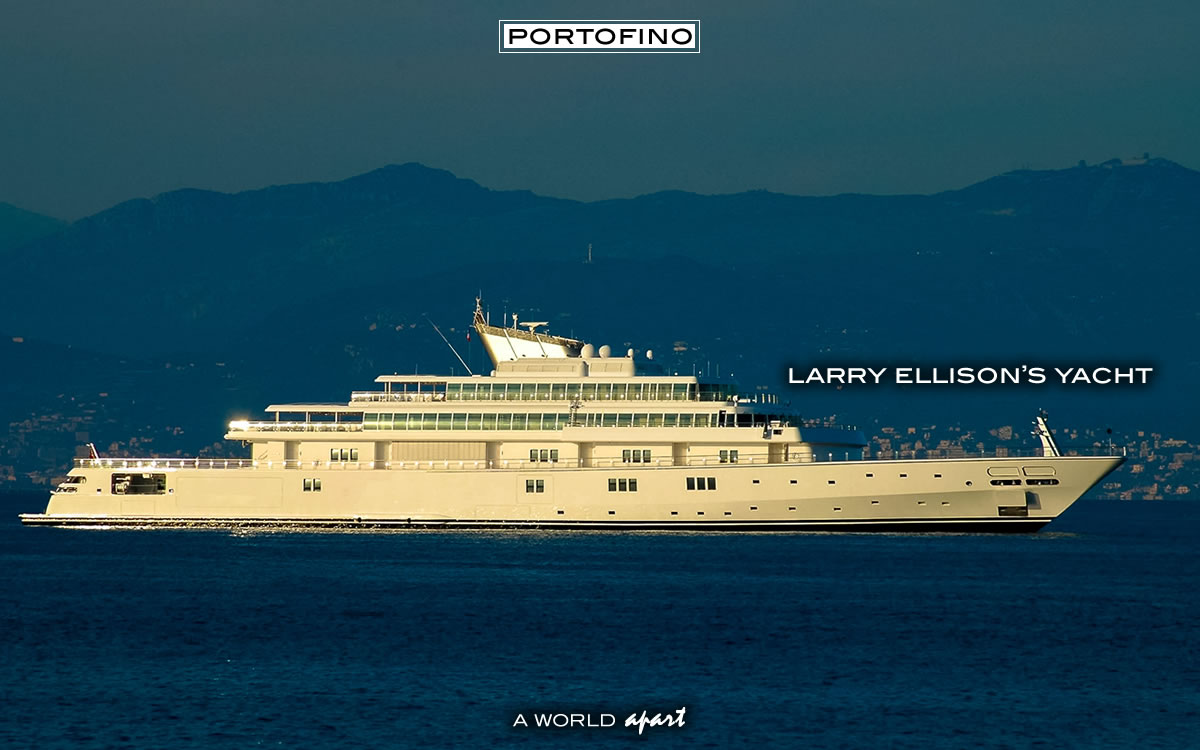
[(439, 332)]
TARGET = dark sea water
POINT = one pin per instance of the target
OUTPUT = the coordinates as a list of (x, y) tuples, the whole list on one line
[(1084, 635)]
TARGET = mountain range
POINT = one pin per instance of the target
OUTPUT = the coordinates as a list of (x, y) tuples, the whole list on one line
[(310, 290)]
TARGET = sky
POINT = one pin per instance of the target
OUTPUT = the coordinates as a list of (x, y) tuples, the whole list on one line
[(101, 102)]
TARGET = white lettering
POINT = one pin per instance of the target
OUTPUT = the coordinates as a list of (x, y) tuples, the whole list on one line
[(670, 720)]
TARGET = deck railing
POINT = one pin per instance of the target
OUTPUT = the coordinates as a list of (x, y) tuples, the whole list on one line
[(523, 465), (296, 426), (358, 396)]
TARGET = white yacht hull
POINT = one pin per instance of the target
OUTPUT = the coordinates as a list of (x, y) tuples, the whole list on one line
[(967, 494)]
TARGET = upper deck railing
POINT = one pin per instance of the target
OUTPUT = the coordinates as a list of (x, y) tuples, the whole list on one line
[(383, 397), (244, 426), (487, 390), (473, 422)]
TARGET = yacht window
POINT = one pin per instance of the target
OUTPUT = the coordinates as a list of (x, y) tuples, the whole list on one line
[(712, 483), (554, 455), (354, 454), (623, 485), (633, 485), (612, 485), (316, 485), (139, 484), (308, 485), (691, 483)]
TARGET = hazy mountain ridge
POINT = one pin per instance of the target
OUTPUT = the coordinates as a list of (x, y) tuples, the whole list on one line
[(18, 226), (1089, 263), (192, 260)]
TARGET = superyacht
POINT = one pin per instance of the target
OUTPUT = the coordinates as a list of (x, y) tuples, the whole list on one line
[(562, 435)]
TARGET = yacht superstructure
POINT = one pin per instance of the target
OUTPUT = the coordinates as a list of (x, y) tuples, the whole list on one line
[(561, 435)]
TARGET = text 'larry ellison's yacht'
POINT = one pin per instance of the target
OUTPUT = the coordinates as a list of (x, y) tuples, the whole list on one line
[(561, 435)]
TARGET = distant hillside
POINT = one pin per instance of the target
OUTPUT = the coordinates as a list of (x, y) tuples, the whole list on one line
[(18, 227), (318, 287)]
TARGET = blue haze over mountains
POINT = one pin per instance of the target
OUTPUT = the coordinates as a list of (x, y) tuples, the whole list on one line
[(308, 291)]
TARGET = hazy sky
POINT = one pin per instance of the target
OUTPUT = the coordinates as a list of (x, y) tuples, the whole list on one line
[(105, 101)]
